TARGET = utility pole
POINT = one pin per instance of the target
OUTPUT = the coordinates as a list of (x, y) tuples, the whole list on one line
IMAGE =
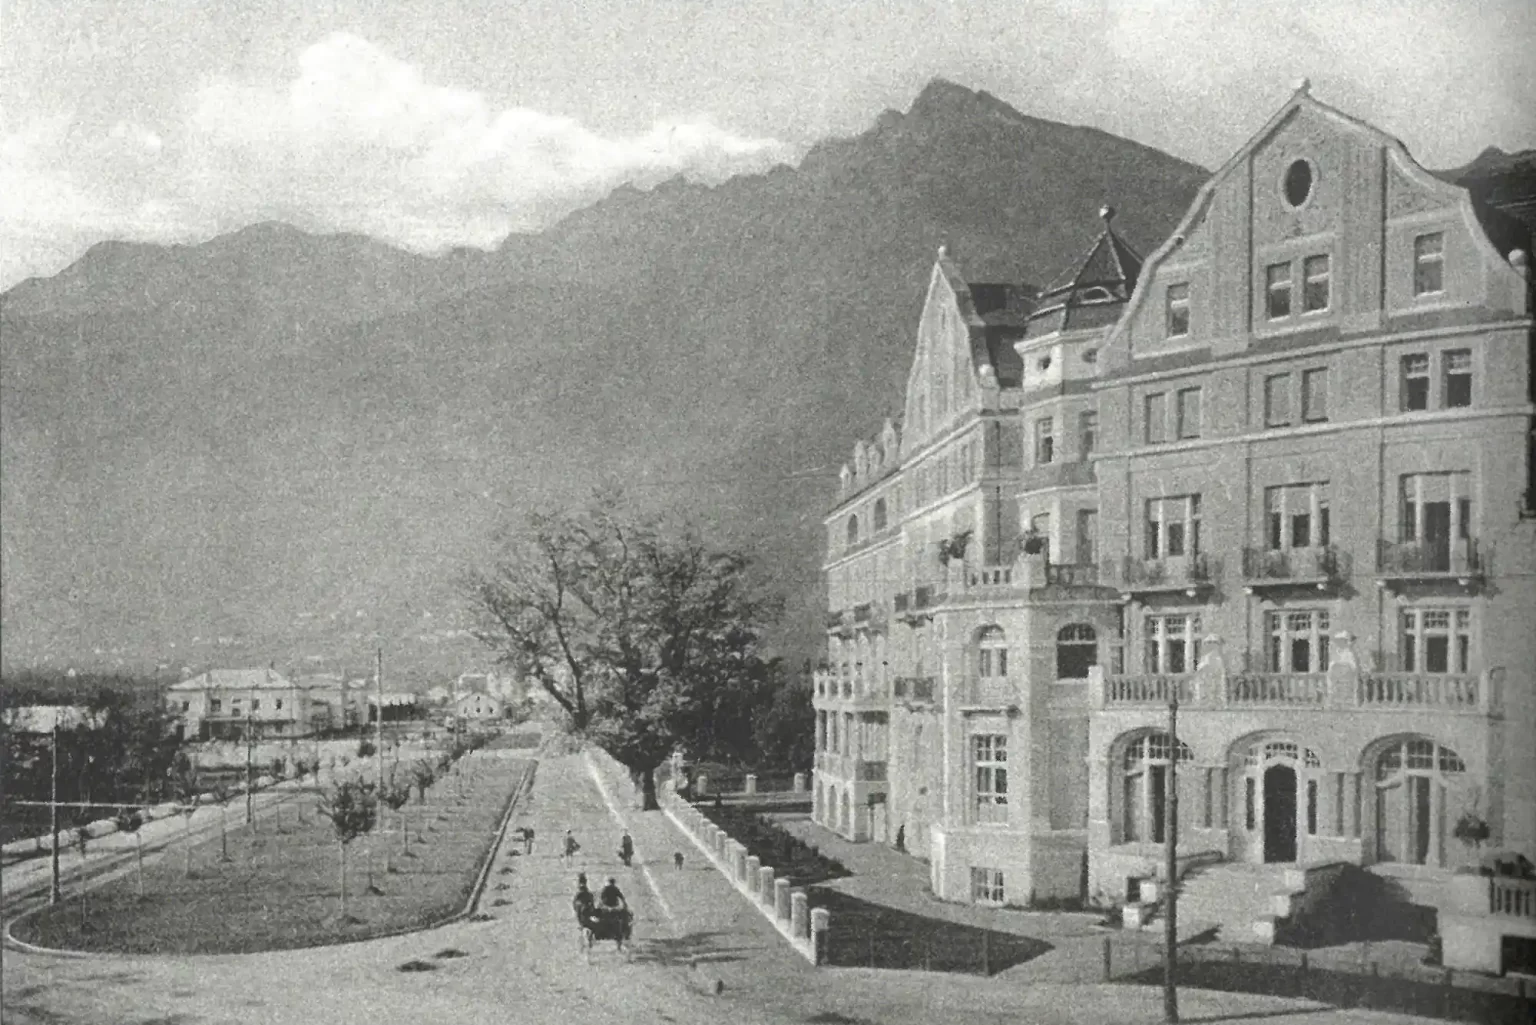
[(1171, 880), (53, 813), (250, 726), (378, 735)]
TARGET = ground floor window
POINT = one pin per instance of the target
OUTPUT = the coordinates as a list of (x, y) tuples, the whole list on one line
[(987, 885), (1414, 783)]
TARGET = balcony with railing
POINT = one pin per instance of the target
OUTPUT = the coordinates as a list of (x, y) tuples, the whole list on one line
[(1072, 575), (1343, 688), (1321, 567), (1400, 562), (1191, 574)]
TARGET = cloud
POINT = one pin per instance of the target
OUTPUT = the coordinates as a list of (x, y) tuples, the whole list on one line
[(359, 141)]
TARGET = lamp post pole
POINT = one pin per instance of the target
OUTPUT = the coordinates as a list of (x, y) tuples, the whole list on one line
[(1171, 873), (250, 725), (379, 724), (53, 814)]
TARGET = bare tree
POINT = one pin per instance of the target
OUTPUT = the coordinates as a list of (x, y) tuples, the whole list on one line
[(352, 809)]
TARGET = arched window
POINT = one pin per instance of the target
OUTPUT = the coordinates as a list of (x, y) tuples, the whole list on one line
[(853, 529), (880, 514), (1146, 786), (991, 652), (1077, 648), (1415, 778)]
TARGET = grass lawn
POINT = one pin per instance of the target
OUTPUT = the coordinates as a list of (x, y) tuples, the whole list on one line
[(281, 889)]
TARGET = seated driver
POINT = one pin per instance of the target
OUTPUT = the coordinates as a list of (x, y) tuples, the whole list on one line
[(612, 897), (583, 902)]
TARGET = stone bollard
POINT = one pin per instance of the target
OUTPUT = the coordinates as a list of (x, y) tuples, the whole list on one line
[(754, 866), (765, 886), (739, 862), (799, 785), (720, 844), (821, 922), (749, 786), (702, 784), (799, 915), (781, 899)]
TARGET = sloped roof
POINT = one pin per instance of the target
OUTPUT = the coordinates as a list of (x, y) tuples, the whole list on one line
[(1092, 293), (235, 679)]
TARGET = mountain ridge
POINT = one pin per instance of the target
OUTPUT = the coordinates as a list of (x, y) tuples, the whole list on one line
[(266, 430)]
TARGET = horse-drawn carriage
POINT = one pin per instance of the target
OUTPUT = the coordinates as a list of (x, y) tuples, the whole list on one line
[(602, 923)]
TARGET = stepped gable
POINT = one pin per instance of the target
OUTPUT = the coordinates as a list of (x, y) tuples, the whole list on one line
[(1093, 293)]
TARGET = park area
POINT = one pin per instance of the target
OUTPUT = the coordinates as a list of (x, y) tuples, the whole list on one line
[(278, 885)]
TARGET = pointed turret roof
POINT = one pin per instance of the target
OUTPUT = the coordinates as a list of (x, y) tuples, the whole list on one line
[(1092, 293)]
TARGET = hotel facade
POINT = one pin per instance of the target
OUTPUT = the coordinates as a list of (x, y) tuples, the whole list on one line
[(1279, 469)]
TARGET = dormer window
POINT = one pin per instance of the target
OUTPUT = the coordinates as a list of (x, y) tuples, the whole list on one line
[(1090, 355), (1178, 310)]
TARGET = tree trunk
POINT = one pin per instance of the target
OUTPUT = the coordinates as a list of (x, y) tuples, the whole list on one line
[(187, 819), (405, 830), (223, 833), (138, 844), (648, 800), (343, 879)]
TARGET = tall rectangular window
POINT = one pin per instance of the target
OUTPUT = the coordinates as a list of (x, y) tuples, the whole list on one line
[(1178, 310), (1296, 516), (989, 757), (1277, 291), (1156, 418), (1415, 382), (1314, 394), (215, 705), (1437, 640), (1277, 400), (1315, 275), (1173, 527), (1457, 378), (1045, 440), (1172, 643), (1298, 641), (1189, 413), (1087, 433), (1429, 264), (1087, 536)]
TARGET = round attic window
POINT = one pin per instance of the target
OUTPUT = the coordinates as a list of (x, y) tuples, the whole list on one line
[(1298, 182)]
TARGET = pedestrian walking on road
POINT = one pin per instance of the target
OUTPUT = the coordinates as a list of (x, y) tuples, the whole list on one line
[(528, 840), (571, 846)]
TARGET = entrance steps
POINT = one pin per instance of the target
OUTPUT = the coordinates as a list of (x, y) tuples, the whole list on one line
[(1240, 902)]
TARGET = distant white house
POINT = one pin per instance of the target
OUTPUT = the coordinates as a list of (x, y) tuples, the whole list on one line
[(439, 695), (222, 704), (478, 706)]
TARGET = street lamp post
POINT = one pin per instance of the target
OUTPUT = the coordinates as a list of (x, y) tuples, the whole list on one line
[(250, 726), (1170, 882), (378, 732), (53, 814)]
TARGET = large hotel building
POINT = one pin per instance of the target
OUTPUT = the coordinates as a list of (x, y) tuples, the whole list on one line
[(1279, 468)]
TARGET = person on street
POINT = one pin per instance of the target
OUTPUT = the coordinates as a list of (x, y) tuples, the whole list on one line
[(626, 849), (612, 898), (583, 902), (527, 839), (571, 846)]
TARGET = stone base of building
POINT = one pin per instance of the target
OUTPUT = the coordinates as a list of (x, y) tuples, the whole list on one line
[(964, 864)]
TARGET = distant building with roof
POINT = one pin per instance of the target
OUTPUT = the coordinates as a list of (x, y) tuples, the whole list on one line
[(39, 719), (225, 704)]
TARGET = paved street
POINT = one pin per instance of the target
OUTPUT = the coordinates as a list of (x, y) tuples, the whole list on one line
[(693, 931)]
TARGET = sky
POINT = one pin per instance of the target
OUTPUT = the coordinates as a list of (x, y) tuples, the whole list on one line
[(455, 122)]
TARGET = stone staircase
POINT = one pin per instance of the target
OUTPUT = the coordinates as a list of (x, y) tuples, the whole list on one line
[(1242, 903)]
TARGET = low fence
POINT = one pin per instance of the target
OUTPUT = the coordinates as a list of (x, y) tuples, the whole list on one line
[(1343, 977)]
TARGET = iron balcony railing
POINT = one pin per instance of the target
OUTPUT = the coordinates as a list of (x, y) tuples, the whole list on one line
[(1175, 573), (1410, 560), (1320, 564)]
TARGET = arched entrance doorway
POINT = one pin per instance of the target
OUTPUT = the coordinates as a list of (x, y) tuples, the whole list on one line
[(1278, 796)]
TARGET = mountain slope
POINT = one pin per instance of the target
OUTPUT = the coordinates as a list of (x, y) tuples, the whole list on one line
[(263, 436)]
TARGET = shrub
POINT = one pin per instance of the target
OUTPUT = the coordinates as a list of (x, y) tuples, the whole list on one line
[(365, 748)]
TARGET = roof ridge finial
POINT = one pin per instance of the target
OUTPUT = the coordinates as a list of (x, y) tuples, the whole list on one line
[(1107, 212)]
